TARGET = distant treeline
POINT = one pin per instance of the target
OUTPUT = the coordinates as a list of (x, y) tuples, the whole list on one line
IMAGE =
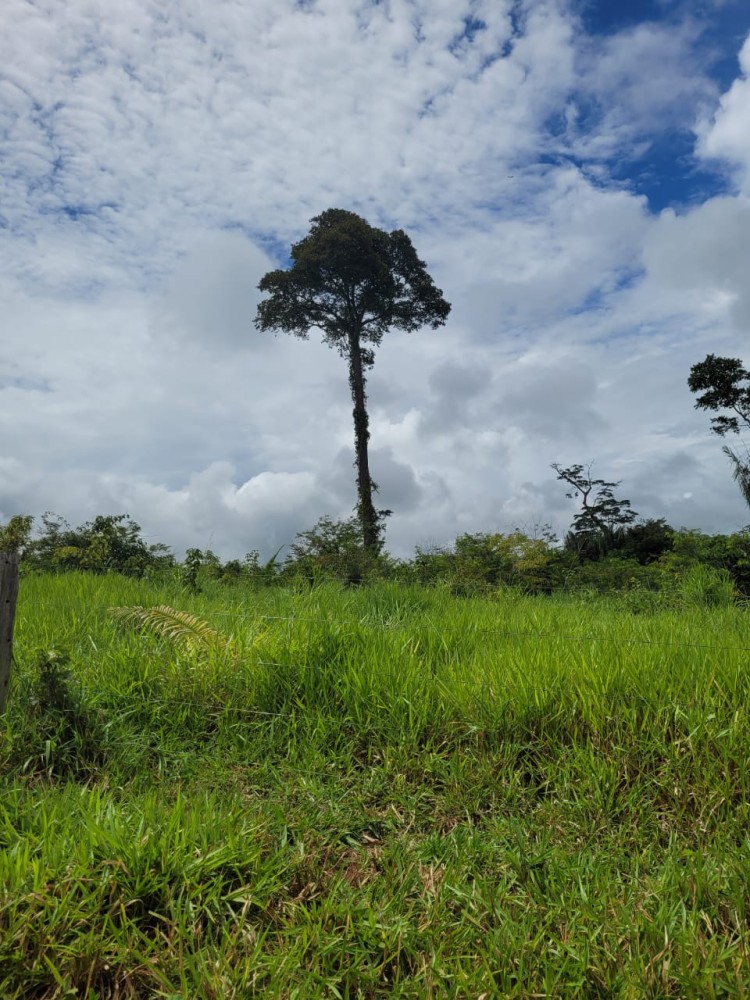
[(635, 560)]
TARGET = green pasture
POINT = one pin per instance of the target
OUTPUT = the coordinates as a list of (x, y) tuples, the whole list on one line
[(385, 791)]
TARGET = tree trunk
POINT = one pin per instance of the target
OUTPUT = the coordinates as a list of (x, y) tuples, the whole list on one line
[(368, 517), (8, 596)]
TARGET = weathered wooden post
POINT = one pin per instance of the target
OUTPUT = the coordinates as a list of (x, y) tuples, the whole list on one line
[(8, 598)]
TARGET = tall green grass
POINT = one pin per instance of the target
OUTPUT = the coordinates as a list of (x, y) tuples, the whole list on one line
[(378, 792)]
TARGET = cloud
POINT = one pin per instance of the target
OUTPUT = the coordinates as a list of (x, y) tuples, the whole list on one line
[(725, 135), (634, 84), (456, 388), (397, 484), (214, 511), (705, 252), (214, 292), (156, 163), (554, 402)]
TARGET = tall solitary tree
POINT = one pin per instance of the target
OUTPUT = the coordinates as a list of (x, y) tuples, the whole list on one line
[(602, 515), (353, 282), (724, 385)]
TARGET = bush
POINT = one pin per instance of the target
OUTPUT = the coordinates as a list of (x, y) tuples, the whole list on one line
[(109, 543), (15, 535), (613, 575), (719, 552), (480, 562), (707, 587), (64, 737), (333, 550)]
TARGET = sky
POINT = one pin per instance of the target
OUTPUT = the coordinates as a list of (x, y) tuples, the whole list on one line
[(575, 174)]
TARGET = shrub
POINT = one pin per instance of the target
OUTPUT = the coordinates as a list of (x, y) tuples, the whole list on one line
[(333, 550), (613, 575), (65, 738), (15, 535), (111, 542), (708, 587)]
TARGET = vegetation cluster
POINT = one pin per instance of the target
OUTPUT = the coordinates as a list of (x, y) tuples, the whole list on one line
[(644, 564)]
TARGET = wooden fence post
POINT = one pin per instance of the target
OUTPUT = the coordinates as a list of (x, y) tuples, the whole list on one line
[(8, 597)]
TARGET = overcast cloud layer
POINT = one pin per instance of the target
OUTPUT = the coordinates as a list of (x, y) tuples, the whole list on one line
[(580, 192)]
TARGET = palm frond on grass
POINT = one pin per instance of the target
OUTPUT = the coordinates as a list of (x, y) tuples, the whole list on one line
[(184, 630)]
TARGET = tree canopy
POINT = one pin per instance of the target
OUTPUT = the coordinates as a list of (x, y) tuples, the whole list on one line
[(720, 382), (724, 384), (349, 277)]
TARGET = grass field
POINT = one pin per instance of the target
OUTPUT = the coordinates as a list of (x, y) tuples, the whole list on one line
[(371, 793)]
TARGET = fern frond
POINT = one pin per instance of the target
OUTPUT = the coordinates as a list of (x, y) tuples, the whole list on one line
[(179, 627), (740, 472)]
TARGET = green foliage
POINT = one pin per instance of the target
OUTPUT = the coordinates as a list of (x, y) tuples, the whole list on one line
[(258, 573), (15, 535), (350, 279), (707, 587), (64, 737), (740, 470), (507, 559), (109, 543), (725, 385), (602, 516), (191, 570), (332, 550), (185, 630), (480, 562), (202, 567), (646, 541), (431, 565), (720, 552), (613, 575)]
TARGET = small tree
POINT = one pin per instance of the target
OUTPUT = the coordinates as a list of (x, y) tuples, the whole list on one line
[(724, 384), (601, 516), (353, 282), (16, 534), (330, 549)]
